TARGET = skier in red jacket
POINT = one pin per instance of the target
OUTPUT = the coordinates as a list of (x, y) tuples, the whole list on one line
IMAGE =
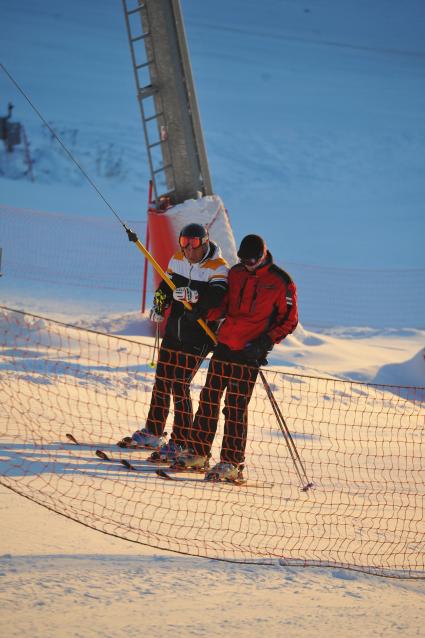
[(260, 309)]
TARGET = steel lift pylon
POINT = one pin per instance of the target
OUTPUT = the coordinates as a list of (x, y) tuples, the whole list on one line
[(168, 105)]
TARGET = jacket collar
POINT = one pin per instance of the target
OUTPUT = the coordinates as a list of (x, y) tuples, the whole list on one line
[(212, 248), (263, 268)]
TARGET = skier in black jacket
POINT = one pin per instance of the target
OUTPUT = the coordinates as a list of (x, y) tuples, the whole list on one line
[(199, 273)]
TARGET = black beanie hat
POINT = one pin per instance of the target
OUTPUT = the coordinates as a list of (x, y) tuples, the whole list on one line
[(252, 247)]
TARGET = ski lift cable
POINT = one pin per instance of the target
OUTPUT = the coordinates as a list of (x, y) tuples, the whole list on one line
[(60, 141), (132, 236)]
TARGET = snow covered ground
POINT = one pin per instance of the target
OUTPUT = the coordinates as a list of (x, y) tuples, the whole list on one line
[(315, 129), (59, 579)]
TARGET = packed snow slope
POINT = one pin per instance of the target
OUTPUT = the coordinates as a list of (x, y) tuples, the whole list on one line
[(60, 579)]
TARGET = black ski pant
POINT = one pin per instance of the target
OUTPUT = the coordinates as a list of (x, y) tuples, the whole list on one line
[(174, 373), (238, 380)]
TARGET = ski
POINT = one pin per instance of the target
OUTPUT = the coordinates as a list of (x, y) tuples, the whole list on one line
[(128, 465), (158, 462), (101, 454), (128, 444), (237, 482), (124, 443), (170, 473), (72, 439), (167, 474)]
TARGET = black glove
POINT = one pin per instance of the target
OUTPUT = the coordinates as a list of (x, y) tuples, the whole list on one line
[(257, 349)]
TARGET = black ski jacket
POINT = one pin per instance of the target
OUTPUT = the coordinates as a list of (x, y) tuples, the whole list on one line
[(209, 278)]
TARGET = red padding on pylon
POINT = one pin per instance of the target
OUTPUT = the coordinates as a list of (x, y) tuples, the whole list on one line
[(164, 241)]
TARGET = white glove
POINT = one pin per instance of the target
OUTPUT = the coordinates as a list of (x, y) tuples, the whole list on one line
[(155, 316), (186, 294)]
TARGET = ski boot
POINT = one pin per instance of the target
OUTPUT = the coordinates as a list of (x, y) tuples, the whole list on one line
[(142, 439), (190, 462), (224, 472), (167, 453)]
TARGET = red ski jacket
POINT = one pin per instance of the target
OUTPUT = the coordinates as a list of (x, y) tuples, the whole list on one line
[(262, 301)]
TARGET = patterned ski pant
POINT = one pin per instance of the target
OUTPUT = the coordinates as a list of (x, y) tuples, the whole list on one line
[(174, 373), (238, 380)]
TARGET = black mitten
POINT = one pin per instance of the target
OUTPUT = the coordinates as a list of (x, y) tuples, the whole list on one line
[(257, 349)]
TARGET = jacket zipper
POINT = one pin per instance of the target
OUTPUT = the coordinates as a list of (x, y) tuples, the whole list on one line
[(254, 296), (242, 292)]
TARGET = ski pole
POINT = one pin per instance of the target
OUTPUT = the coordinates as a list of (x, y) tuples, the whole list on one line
[(285, 431), (302, 475), (155, 347), (132, 236)]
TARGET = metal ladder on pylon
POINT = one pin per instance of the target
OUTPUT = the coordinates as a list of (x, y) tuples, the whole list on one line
[(149, 99)]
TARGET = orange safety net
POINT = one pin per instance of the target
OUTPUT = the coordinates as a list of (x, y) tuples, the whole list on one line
[(361, 445)]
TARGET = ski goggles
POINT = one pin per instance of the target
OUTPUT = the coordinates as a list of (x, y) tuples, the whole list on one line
[(193, 242), (251, 262)]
